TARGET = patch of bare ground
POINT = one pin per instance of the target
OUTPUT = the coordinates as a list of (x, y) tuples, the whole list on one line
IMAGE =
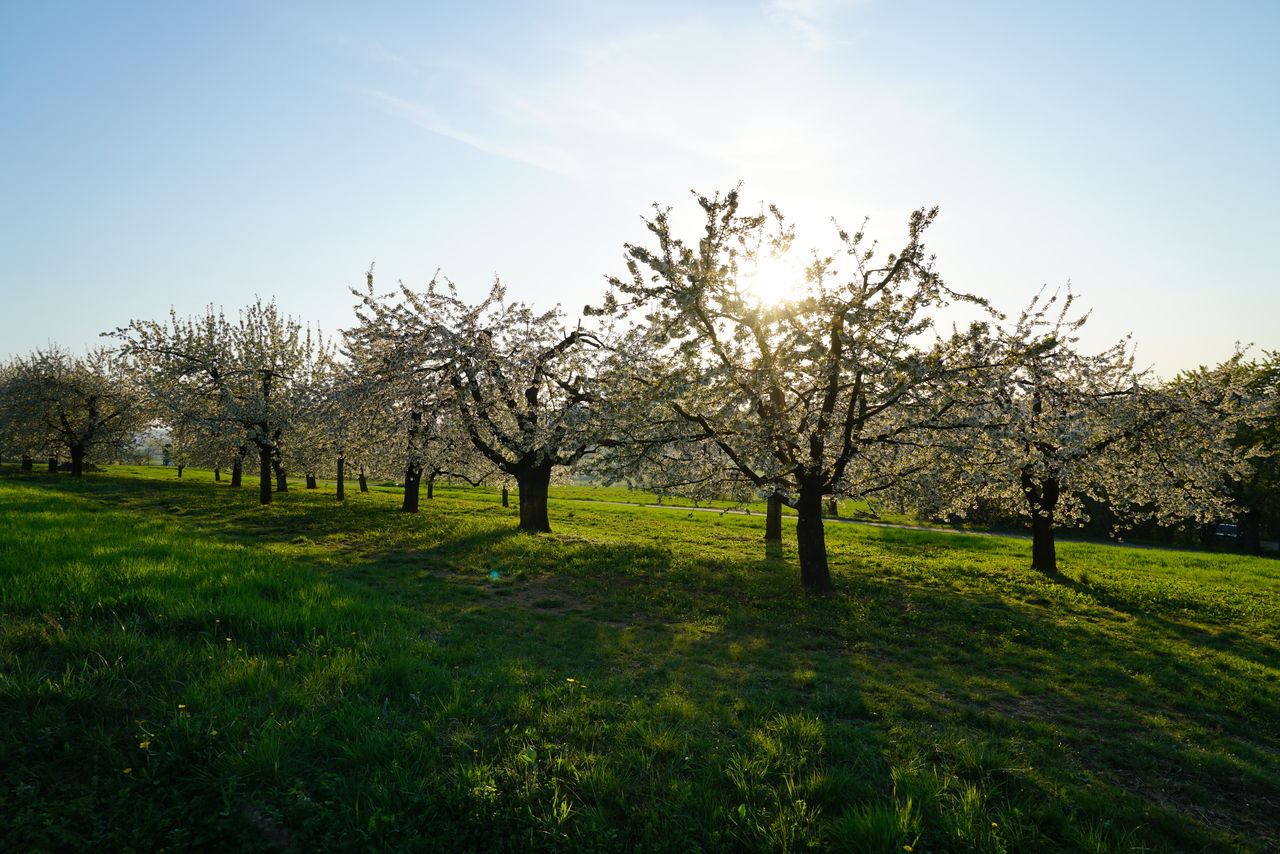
[(544, 594), (1239, 810), (1245, 811), (549, 594)]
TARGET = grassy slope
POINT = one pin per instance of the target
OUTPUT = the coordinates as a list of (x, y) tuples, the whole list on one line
[(181, 668)]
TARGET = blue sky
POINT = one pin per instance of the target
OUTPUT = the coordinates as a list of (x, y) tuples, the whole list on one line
[(181, 154)]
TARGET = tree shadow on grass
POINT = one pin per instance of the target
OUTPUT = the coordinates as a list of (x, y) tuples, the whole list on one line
[(719, 687), (1116, 701), (1198, 621), (986, 667), (1225, 639)]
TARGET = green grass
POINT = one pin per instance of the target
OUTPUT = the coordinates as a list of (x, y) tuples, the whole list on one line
[(447, 487), (182, 669), (848, 509)]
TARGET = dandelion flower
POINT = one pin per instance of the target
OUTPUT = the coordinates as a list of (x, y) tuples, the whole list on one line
[(144, 744), (182, 705), (127, 771), (213, 732)]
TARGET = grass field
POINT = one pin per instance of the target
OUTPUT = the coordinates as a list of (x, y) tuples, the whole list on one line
[(182, 669), (623, 495)]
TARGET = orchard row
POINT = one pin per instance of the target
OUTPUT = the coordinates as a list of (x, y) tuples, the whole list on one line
[(682, 379)]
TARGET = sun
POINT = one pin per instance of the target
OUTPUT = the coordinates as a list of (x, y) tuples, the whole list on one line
[(774, 279)]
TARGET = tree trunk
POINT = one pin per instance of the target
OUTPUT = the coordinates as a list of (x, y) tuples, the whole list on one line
[(77, 460), (833, 509), (413, 469), (811, 542), (53, 465), (1044, 556), (773, 519), (237, 472), (311, 481), (364, 482), (1251, 531), (342, 485), (264, 475), (282, 478), (506, 497), (26, 464), (412, 482), (534, 482), (431, 483), (217, 474), (1042, 499), (181, 466)]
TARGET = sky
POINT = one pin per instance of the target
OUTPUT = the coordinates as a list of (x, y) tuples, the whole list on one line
[(176, 155)]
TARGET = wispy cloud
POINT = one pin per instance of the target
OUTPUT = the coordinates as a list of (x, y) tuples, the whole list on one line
[(698, 101), (547, 157), (811, 20)]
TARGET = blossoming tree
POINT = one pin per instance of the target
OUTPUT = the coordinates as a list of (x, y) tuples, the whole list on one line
[(525, 387), (1059, 426), (84, 404), (828, 391), (213, 375)]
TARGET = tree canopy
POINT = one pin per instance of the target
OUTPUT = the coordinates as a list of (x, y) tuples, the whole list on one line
[(832, 391)]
